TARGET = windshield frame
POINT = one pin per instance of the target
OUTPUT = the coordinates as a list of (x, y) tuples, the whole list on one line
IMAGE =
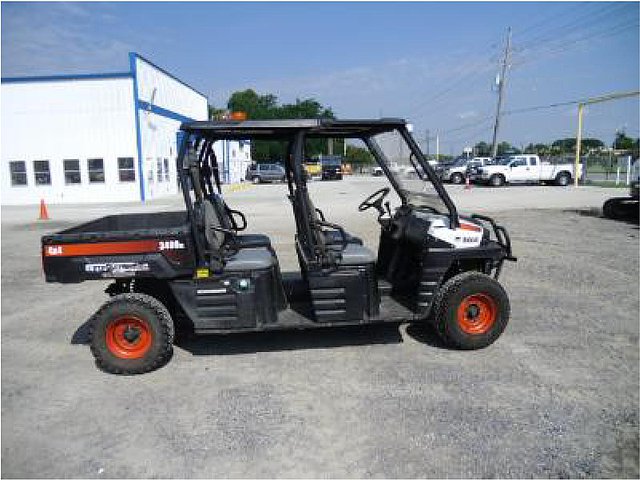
[(427, 170)]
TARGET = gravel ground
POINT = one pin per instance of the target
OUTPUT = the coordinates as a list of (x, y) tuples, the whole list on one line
[(555, 396)]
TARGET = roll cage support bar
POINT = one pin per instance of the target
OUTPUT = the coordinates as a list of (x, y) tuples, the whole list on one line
[(295, 177)]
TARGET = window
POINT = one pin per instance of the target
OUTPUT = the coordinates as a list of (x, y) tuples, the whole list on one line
[(96, 170), (166, 169), (72, 172), (126, 171), (519, 163), (18, 171), (41, 172), (533, 161), (160, 177)]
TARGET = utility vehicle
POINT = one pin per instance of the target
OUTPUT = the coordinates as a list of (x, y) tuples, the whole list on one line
[(526, 169), (196, 268)]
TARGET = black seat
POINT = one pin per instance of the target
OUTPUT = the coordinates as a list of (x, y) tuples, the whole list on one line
[(245, 240), (331, 237)]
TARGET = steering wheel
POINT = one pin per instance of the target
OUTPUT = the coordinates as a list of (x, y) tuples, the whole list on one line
[(374, 200)]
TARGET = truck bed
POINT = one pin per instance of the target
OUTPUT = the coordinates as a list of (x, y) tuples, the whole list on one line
[(133, 245)]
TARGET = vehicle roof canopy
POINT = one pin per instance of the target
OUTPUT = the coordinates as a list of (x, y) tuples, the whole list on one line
[(273, 129)]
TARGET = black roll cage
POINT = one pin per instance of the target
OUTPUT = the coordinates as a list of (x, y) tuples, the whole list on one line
[(294, 133)]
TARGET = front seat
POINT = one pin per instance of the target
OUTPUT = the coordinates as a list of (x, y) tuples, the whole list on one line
[(331, 237)]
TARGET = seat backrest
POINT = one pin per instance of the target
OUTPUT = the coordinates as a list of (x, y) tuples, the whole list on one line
[(210, 218), (222, 210), (309, 232)]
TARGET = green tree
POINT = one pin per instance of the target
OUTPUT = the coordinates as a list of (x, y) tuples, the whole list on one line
[(505, 148), (482, 149), (622, 142), (266, 107), (568, 145), (358, 155)]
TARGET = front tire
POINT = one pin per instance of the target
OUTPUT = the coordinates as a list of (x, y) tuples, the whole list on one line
[(256, 180), (132, 333), (471, 311), (563, 179), (496, 181), (457, 178)]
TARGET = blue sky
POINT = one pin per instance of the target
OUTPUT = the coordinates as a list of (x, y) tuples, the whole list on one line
[(432, 63)]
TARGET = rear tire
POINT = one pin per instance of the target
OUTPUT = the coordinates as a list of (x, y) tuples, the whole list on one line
[(471, 311), (563, 179), (457, 178), (131, 333), (496, 180)]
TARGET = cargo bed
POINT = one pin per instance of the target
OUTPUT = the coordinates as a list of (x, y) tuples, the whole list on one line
[(138, 244)]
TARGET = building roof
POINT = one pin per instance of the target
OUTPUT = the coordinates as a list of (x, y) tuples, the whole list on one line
[(95, 76)]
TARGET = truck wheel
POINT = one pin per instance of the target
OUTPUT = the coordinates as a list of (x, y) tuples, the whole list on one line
[(131, 333), (496, 181), (563, 179), (256, 180), (457, 178), (471, 311)]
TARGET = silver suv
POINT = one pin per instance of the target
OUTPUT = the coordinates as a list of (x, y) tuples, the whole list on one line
[(265, 172)]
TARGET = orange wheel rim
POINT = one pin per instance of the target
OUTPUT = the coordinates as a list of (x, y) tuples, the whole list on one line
[(477, 313), (128, 337)]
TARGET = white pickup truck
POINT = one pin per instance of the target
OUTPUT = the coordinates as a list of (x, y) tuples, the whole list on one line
[(526, 169)]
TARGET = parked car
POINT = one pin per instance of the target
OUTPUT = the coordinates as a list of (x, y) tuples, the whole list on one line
[(266, 172), (313, 169), (331, 168), (441, 167), (527, 169), (393, 167), (474, 166), (457, 172), (453, 171)]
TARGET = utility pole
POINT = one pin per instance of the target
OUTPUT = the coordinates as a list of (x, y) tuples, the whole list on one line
[(502, 80), (437, 147)]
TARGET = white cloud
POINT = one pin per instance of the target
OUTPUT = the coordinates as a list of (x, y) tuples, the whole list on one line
[(59, 38)]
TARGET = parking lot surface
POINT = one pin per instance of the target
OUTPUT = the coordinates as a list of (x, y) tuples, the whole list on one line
[(555, 396)]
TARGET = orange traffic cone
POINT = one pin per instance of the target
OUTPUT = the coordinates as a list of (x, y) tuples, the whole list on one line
[(44, 214), (467, 183)]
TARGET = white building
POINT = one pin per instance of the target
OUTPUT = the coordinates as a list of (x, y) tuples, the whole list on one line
[(100, 137)]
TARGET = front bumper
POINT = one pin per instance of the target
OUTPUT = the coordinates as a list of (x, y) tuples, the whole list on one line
[(502, 239)]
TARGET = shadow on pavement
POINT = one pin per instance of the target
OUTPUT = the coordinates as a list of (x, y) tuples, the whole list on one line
[(425, 334), (631, 219), (252, 342)]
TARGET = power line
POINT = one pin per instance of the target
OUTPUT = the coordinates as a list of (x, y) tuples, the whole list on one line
[(544, 21), (559, 49), (476, 69), (577, 24)]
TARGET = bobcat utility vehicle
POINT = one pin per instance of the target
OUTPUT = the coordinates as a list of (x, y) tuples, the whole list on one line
[(195, 268)]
